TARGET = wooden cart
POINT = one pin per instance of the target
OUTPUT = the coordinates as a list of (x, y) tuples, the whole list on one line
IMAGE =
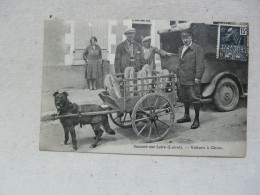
[(149, 110)]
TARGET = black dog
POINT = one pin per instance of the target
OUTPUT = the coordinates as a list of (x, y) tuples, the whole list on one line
[(64, 106)]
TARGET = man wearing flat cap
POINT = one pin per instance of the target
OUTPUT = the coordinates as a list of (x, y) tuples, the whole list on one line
[(189, 72), (128, 53), (149, 52)]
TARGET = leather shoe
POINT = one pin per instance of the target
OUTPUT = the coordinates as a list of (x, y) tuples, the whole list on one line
[(184, 119), (195, 124)]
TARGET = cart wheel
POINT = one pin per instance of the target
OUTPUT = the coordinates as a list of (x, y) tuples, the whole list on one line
[(226, 95), (120, 119), (153, 117)]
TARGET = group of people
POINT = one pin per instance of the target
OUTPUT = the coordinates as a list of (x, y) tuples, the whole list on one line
[(128, 54), (133, 56)]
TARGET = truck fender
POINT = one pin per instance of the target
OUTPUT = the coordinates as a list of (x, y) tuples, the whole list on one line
[(208, 91)]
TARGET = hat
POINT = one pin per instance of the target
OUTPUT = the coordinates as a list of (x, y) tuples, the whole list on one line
[(146, 38), (188, 32), (93, 37), (130, 30)]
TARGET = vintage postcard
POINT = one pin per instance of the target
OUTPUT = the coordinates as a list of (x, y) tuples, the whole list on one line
[(150, 87)]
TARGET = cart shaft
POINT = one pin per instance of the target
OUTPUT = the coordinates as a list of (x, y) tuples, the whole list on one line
[(55, 117)]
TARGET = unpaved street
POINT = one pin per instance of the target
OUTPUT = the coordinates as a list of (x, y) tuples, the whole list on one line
[(216, 127)]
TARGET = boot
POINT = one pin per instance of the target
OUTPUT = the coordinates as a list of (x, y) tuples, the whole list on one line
[(196, 122), (75, 147), (186, 118)]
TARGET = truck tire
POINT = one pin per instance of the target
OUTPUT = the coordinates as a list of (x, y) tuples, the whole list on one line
[(226, 95)]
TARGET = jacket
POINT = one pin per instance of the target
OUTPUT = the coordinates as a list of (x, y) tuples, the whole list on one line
[(123, 55), (191, 65)]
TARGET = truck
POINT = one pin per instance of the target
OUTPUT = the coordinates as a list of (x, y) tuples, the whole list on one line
[(224, 80)]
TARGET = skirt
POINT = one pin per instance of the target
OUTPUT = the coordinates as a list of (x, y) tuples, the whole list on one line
[(93, 69)]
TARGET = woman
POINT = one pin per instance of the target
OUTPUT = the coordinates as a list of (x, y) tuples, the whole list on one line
[(93, 58)]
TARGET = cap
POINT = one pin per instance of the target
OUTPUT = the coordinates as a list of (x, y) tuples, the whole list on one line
[(146, 38), (130, 30), (186, 32)]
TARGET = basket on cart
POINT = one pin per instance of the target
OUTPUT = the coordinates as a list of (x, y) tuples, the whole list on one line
[(148, 109)]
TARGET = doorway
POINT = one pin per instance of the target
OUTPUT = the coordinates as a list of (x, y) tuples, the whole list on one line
[(142, 30)]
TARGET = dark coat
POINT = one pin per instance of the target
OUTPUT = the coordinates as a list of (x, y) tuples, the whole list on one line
[(122, 58), (191, 65)]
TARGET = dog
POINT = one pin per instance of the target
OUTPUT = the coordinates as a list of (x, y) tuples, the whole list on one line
[(64, 106)]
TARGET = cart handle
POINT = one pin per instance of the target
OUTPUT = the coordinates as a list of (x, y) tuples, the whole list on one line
[(55, 116)]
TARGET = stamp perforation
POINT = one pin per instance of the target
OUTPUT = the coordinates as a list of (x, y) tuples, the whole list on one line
[(237, 51)]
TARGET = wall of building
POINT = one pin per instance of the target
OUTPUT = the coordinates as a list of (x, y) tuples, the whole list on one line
[(65, 42), (55, 49), (158, 25), (63, 77), (57, 54)]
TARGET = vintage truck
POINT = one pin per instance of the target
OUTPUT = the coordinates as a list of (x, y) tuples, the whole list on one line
[(224, 81)]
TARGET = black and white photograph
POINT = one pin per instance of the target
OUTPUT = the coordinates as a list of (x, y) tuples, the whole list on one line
[(131, 97), (148, 87)]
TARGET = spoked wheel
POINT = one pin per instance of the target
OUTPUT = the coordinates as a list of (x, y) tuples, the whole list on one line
[(153, 117), (121, 119)]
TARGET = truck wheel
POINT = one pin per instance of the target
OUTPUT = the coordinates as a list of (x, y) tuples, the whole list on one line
[(226, 95)]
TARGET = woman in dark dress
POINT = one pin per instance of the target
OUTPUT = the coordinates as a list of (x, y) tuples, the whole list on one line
[(93, 58)]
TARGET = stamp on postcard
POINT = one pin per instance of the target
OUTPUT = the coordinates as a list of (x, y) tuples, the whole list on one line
[(232, 42)]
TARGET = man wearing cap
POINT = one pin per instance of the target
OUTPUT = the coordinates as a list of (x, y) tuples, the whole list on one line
[(128, 53), (189, 72), (149, 52)]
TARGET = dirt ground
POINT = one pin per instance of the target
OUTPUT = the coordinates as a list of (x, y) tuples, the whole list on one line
[(216, 127)]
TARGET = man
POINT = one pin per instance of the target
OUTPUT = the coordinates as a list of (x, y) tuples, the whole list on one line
[(128, 53), (190, 70), (149, 52)]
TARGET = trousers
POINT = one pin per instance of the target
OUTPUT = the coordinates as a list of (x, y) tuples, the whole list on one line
[(189, 93)]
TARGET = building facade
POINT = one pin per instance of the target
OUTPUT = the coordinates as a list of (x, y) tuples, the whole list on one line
[(66, 40)]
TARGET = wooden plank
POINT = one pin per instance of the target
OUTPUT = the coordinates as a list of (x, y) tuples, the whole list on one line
[(142, 87), (165, 76)]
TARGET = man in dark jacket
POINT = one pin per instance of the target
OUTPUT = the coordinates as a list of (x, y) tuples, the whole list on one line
[(128, 53), (190, 70)]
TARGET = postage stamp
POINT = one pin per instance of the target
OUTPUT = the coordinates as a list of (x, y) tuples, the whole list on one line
[(150, 87), (232, 42)]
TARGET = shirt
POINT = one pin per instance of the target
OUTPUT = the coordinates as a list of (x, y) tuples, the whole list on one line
[(131, 48), (184, 49), (147, 52)]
